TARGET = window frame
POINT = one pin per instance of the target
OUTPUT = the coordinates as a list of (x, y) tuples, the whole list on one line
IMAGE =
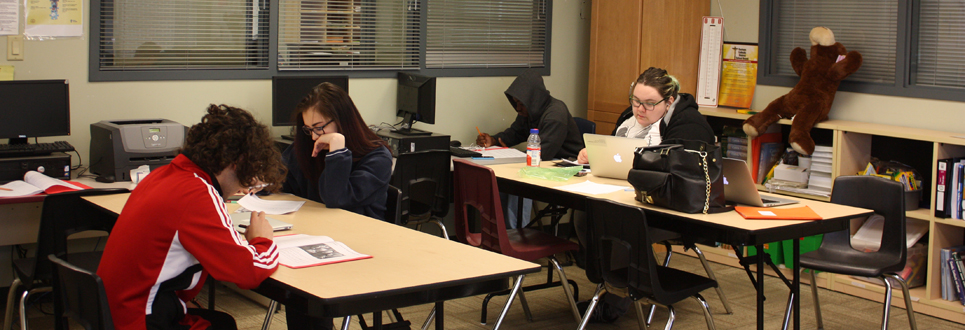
[(907, 30), (96, 75)]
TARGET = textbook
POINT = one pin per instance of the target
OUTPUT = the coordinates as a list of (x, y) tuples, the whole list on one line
[(300, 250), (35, 183)]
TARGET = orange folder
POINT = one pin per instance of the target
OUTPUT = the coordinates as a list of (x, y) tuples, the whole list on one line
[(794, 213)]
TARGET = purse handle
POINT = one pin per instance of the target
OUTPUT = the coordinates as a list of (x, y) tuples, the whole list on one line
[(703, 158)]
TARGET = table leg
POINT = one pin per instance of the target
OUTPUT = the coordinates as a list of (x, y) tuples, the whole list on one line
[(796, 288), (440, 315), (509, 301), (760, 289)]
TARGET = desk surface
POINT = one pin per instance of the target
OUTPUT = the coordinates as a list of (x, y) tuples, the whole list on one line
[(404, 261), (732, 221)]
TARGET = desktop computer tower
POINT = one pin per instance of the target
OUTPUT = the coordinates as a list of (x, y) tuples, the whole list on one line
[(400, 144), (55, 165)]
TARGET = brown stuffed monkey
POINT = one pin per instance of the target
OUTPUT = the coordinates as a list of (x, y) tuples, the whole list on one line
[(810, 100)]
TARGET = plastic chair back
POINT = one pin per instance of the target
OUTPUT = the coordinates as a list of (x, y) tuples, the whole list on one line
[(65, 214), (475, 186), (82, 294), (886, 198), (614, 227), (423, 178), (393, 202), (585, 126)]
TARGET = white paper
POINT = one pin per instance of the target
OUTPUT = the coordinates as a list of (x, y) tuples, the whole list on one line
[(767, 213), (708, 69), (19, 188), (499, 153), (253, 203), (9, 17), (43, 182), (868, 237), (299, 250), (62, 18), (592, 188)]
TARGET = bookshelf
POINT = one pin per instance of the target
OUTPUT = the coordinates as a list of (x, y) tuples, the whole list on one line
[(853, 144)]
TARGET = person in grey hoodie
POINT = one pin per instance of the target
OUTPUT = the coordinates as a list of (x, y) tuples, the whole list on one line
[(535, 108)]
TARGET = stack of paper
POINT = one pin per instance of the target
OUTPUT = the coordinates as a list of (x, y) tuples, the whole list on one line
[(820, 178)]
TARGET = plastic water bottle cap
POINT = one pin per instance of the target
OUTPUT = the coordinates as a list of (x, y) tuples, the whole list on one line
[(533, 131)]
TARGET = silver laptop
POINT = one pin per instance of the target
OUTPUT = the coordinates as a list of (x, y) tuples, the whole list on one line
[(241, 221), (741, 189), (610, 156)]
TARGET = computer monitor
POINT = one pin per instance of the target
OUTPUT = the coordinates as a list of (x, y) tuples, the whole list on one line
[(416, 101), (34, 108), (287, 91)]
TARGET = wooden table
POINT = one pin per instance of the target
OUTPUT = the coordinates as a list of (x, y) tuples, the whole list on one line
[(728, 227), (407, 267)]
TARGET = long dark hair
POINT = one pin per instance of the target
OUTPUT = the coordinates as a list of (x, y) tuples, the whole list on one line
[(332, 102)]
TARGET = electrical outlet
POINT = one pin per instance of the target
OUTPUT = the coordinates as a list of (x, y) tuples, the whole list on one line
[(15, 48)]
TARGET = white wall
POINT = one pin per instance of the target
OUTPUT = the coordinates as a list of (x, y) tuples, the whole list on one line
[(741, 24), (462, 103)]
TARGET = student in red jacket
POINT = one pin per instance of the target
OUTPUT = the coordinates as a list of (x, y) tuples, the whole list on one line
[(175, 229)]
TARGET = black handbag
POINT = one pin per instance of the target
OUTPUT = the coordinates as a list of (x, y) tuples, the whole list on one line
[(682, 175)]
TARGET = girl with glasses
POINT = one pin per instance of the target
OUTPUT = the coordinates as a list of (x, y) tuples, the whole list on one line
[(659, 112), (336, 159)]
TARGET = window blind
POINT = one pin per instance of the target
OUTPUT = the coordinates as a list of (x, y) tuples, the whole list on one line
[(486, 33), (867, 26), (182, 34), (941, 44), (348, 34)]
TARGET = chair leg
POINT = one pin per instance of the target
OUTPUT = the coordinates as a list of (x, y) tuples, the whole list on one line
[(271, 310), (884, 316), (566, 288), (670, 318), (589, 310), (442, 227), (908, 308), (817, 303), (642, 320), (522, 301), (432, 315), (509, 301), (788, 309), (706, 308), (666, 263), (11, 296), (346, 321), (23, 304), (710, 274)]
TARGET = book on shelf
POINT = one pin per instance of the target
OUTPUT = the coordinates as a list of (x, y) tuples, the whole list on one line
[(942, 175), (35, 183), (770, 153), (771, 135), (947, 285), (300, 250), (960, 273)]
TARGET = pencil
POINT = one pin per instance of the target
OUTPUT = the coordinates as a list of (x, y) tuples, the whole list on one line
[(5, 189), (478, 131)]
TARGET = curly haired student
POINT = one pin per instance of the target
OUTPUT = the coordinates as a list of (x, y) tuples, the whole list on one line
[(175, 229)]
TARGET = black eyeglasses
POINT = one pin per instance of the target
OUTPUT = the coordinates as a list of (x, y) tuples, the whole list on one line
[(319, 130), (646, 105)]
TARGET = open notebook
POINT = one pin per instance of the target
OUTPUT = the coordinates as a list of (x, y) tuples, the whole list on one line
[(242, 219)]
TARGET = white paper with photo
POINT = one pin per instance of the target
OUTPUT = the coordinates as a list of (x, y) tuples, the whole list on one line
[(253, 203), (299, 250)]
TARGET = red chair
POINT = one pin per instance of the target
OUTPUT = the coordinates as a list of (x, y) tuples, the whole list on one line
[(475, 186)]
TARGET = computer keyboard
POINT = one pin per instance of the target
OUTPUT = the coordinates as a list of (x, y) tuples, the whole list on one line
[(35, 149), (460, 152)]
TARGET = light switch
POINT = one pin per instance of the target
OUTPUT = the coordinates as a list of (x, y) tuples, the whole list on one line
[(15, 48)]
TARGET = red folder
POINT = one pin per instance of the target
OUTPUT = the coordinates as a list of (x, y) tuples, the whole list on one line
[(773, 213)]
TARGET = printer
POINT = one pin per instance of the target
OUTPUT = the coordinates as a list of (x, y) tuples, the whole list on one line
[(119, 146)]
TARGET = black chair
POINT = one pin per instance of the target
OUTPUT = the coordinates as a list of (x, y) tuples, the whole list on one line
[(81, 296), (63, 214), (835, 255), (423, 177), (585, 125), (613, 227)]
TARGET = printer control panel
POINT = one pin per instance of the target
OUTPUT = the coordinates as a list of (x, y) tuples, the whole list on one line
[(154, 137)]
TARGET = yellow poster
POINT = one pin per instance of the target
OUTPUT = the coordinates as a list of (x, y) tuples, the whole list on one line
[(738, 75), (54, 18)]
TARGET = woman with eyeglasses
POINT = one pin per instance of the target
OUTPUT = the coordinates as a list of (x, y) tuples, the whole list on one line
[(336, 159), (658, 112)]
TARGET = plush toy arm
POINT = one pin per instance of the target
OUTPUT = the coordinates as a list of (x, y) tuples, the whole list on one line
[(846, 66), (798, 57)]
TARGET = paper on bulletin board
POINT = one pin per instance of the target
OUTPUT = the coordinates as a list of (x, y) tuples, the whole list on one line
[(738, 75), (9, 17), (708, 69), (6, 72), (61, 18)]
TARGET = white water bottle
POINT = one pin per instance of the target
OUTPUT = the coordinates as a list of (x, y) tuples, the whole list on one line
[(533, 148)]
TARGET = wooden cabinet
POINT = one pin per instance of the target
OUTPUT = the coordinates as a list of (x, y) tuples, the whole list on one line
[(854, 143), (629, 36)]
